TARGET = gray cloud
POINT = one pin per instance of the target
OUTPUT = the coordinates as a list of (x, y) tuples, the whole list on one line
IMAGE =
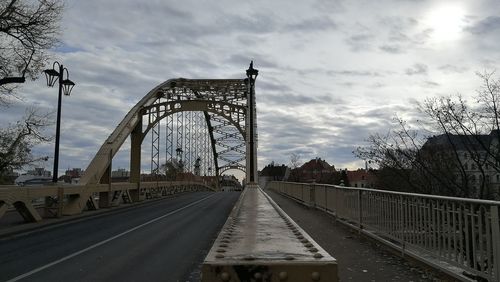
[(417, 69), (430, 84), (354, 73), (394, 49), (449, 68), (288, 100), (312, 24), (361, 41), (486, 25)]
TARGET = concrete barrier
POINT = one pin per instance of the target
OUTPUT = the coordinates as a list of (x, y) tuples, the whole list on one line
[(259, 242)]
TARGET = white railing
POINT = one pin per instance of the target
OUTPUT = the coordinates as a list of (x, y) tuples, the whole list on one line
[(461, 232)]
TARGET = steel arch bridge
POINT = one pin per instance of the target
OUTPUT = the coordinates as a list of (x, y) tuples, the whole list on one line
[(209, 128)]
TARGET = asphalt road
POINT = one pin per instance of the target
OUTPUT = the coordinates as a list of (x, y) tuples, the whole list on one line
[(162, 241)]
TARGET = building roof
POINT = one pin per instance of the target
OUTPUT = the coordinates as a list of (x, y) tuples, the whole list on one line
[(316, 164), (462, 142), (272, 170)]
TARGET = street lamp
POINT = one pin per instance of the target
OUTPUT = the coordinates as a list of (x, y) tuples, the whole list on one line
[(252, 76), (65, 86)]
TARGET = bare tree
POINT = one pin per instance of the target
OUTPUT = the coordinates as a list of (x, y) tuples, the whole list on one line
[(27, 30), (448, 153), (17, 140), (294, 167)]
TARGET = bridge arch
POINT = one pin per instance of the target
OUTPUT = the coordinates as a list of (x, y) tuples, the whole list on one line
[(220, 108), (219, 99)]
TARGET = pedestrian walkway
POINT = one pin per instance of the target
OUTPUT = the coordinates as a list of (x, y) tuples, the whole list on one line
[(359, 258)]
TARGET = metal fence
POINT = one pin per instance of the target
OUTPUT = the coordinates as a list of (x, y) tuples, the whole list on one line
[(463, 233)]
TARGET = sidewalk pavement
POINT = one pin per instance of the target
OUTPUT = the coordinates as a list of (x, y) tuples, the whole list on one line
[(359, 258)]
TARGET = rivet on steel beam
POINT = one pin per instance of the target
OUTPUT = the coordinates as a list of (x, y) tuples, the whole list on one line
[(289, 258), (300, 237), (315, 276), (308, 245), (313, 250), (223, 245), (225, 276), (283, 276), (221, 250), (305, 241), (318, 255), (219, 256)]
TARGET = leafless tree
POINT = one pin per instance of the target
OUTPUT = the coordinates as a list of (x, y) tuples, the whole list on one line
[(17, 140), (294, 167), (27, 30), (458, 131)]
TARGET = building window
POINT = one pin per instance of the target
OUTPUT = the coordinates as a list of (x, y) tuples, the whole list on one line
[(473, 166), (487, 178)]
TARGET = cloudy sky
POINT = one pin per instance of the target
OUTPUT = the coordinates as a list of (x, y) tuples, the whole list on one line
[(331, 71)]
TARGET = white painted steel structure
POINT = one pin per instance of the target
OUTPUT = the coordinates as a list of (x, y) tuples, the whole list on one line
[(454, 234)]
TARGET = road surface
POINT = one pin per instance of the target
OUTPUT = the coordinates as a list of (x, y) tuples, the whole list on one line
[(164, 240)]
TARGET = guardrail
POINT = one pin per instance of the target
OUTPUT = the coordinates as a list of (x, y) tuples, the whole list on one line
[(61, 200), (445, 232)]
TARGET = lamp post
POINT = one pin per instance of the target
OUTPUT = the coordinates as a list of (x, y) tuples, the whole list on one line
[(252, 76), (65, 86)]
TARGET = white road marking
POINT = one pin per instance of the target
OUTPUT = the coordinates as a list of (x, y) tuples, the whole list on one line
[(17, 278)]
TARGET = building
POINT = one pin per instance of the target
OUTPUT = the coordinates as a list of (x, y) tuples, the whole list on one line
[(273, 172), (40, 171), (315, 170), (74, 172), (230, 183), (361, 178), (469, 163), (37, 177), (121, 172)]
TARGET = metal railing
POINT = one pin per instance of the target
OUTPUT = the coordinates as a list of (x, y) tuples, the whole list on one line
[(461, 232)]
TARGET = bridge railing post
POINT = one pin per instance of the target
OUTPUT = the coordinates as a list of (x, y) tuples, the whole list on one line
[(360, 210), (495, 226), (312, 195)]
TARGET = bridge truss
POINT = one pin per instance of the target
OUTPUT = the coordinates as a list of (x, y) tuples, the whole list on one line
[(204, 125)]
